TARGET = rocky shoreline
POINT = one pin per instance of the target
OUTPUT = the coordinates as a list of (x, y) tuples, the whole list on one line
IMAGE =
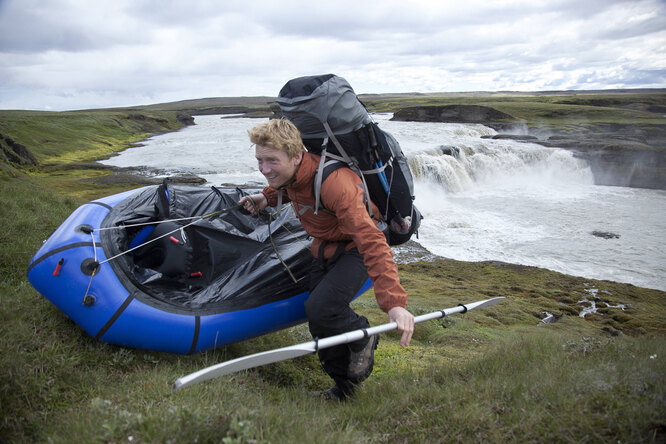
[(628, 155)]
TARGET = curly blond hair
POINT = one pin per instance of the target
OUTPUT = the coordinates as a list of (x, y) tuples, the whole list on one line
[(279, 134)]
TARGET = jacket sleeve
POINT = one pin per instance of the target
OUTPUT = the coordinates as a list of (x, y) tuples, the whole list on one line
[(344, 194), (272, 196)]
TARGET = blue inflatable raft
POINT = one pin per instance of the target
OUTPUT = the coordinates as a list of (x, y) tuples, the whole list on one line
[(179, 269)]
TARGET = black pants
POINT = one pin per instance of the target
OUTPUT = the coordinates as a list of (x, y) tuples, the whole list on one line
[(333, 285)]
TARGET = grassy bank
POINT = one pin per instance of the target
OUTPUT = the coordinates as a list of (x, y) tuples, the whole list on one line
[(493, 375), (554, 111), (60, 147)]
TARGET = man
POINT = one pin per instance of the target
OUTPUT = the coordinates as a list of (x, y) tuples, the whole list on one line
[(347, 247)]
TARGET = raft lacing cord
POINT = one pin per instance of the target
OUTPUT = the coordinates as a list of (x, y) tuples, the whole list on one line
[(165, 221), (196, 218), (281, 224), (92, 235), (270, 235), (94, 272)]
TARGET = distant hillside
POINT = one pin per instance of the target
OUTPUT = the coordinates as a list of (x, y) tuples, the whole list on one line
[(258, 106), (381, 102)]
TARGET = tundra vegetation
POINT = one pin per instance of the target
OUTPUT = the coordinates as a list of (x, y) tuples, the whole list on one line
[(530, 369)]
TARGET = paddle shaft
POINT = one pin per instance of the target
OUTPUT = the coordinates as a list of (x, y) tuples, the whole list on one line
[(294, 351), (353, 336)]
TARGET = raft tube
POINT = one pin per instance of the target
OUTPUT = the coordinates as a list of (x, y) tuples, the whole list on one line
[(178, 269)]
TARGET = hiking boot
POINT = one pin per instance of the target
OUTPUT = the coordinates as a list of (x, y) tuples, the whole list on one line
[(361, 362)]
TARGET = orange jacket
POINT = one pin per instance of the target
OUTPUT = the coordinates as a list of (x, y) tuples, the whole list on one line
[(343, 194)]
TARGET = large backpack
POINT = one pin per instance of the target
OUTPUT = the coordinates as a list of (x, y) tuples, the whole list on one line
[(334, 124)]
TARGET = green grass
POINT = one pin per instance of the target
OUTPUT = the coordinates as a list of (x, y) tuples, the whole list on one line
[(66, 144), (491, 375), (536, 388), (65, 137)]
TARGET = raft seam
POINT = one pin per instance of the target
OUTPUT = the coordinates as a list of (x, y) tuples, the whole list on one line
[(58, 250), (195, 338), (115, 317), (108, 207)]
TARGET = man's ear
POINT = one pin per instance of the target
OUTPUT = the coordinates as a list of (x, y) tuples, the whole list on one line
[(298, 158)]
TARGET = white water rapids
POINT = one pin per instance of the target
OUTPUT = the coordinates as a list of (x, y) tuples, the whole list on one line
[(492, 199)]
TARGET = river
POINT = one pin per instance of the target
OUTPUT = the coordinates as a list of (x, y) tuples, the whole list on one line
[(481, 198)]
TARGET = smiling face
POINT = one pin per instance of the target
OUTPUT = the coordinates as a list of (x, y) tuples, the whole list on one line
[(276, 166)]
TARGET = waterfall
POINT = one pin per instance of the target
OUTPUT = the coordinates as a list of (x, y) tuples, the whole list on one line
[(487, 163), (463, 157)]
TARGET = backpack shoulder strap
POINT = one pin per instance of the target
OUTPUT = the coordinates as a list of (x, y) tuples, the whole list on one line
[(326, 167)]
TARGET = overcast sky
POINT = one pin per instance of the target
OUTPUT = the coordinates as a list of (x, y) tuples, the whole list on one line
[(76, 54)]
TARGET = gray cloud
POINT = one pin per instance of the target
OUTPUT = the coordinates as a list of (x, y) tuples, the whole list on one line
[(65, 54), (30, 29)]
